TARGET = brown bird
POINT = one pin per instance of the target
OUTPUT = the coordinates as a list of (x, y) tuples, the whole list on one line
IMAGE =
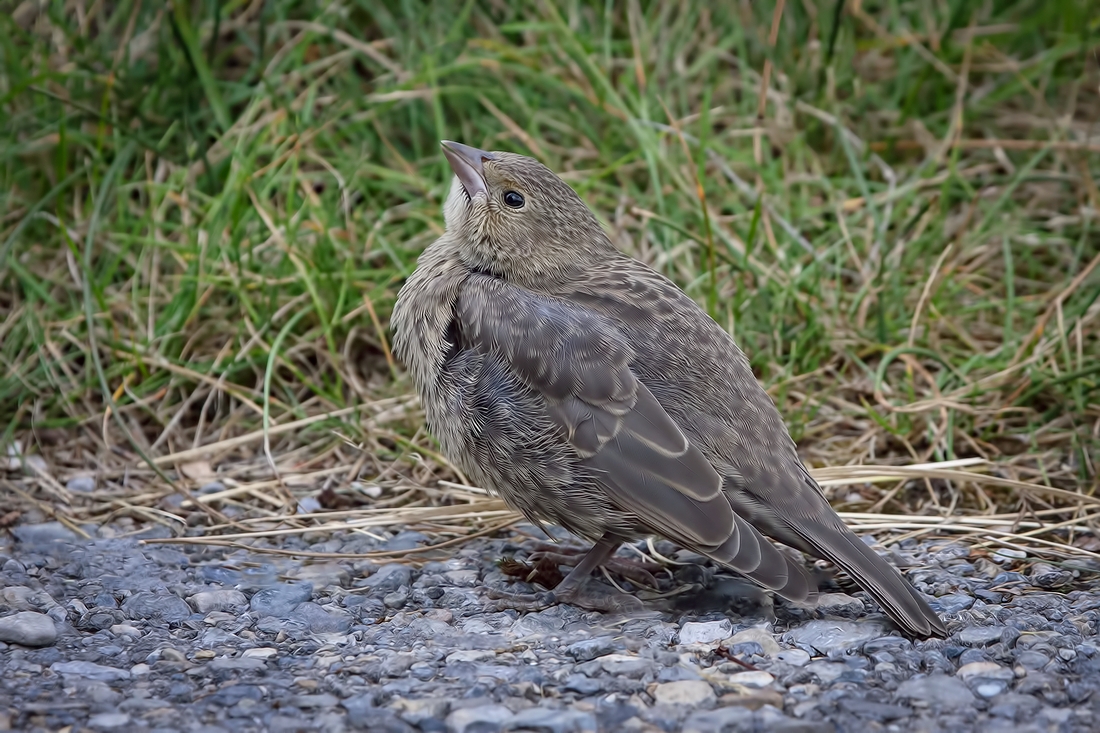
[(588, 391)]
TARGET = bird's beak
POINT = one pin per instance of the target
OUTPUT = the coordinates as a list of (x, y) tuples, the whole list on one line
[(468, 165)]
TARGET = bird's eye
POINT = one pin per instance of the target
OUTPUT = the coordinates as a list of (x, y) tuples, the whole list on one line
[(513, 199)]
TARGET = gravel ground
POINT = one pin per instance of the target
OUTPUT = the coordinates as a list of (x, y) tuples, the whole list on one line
[(112, 634)]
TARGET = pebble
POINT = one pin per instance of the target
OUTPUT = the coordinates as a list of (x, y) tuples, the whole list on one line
[(28, 629), (794, 657), (936, 691), (90, 671), (840, 604), (478, 719), (694, 693), (840, 636), (768, 645), (980, 635), (218, 600), (246, 642), (280, 600), (695, 632), (81, 484), (757, 679)]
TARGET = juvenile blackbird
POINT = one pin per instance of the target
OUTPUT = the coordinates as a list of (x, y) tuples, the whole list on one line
[(588, 391)]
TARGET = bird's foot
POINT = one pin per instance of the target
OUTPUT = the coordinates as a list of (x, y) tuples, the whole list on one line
[(637, 572), (591, 599)]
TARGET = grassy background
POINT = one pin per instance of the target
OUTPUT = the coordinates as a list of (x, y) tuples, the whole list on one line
[(207, 208)]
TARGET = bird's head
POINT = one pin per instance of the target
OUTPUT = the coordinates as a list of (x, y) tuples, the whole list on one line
[(513, 217)]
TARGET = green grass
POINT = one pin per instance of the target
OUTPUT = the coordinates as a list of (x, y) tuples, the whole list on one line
[(203, 210)]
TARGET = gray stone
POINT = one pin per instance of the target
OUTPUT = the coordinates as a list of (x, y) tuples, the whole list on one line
[(695, 632), (44, 533), (90, 671), (415, 712), (108, 721), (482, 719), (319, 621), (624, 665), (768, 645), (840, 604), (937, 691), (794, 657), (693, 693), (980, 635), (218, 600), (721, 720), (828, 636), (389, 577), (81, 484), (157, 607), (547, 720), (236, 664), (28, 628), (323, 574), (582, 685), (589, 649), (280, 600)]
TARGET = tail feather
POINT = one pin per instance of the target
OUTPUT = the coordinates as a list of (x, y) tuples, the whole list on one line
[(882, 581), (749, 553)]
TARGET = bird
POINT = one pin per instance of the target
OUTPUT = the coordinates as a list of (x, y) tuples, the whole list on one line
[(590, 392)]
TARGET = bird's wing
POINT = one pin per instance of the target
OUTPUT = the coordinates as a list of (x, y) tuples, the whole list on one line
[(580, 363)]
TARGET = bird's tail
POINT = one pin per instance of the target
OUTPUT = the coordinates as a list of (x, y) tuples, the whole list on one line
[(751, 554), (833, 541)]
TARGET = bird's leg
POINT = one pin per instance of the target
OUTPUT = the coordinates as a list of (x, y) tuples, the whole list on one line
[(639, 572), (571, 589)]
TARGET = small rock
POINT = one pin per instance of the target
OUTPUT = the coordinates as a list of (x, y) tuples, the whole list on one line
[(263, 652), (990, 689), (873, 710), (396, 599), (624, 665), (108, 721), (44, 533), (794, 657), (28, 628), (840, 604), (471, 655), (389, 577), (236, 664), (415, 712), (324, 574), (980, 635), (319, 701), (462, 578), (549, 720), (756, 679), (952, 603), (281, 599), (126, 630), (694, 693), (988, 670), (753, 699), (936, 691), (721, 720), (208, 601), (320, 621), (90, 671), (695, 632), (589, 649), (766, 641), (582, 685), (156, 606), (826, 635), (478, 719), (81, 484)]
